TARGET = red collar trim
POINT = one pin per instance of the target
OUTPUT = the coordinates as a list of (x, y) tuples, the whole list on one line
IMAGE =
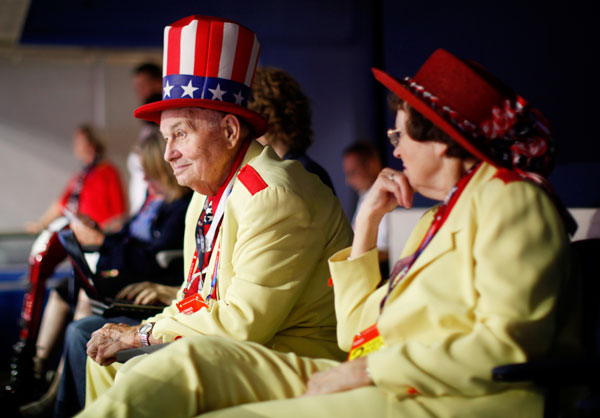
[(234, 167)]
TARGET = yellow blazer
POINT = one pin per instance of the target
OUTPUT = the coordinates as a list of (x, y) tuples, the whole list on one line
[(273, 273), (482, 294)]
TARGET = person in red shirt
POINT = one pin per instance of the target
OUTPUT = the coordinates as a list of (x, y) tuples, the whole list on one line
[(95, 191)]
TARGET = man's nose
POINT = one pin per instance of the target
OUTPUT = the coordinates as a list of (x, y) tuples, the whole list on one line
[(171, 152)]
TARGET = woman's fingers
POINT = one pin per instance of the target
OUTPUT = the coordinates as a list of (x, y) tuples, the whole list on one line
[(131, 291), (124, 293), (146, 296), (396, 183), (403, 191)]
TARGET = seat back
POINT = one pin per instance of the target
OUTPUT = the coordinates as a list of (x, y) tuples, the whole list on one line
[(586, 260), (575, 362)]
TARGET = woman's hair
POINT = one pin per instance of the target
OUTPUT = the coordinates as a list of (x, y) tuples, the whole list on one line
[(278, 98), (422, 129), (93, 139), (152, 149)]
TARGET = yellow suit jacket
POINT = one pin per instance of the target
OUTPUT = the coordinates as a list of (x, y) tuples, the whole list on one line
[(273, 273), (482, 294)]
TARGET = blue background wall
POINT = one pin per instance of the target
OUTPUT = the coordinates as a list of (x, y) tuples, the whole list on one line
[(542, 50)]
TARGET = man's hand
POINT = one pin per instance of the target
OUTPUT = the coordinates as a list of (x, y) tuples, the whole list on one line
[(110, 339), (348, 375), (148, 293)]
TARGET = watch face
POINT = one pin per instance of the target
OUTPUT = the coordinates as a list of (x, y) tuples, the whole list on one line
[(145, 328)]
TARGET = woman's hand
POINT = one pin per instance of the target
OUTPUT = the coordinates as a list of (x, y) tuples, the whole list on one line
[(389, 190), (87, 235), (34, 227), (148, 293), (348, 375), (37, 226)]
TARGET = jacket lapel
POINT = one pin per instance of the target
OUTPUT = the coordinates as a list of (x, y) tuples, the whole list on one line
[(445, 241), (441, 244)]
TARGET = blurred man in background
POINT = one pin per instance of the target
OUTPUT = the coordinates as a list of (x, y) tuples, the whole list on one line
[(362, 164), (147, 86)]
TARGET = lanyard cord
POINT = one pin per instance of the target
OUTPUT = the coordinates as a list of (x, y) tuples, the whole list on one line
[(402, 267)]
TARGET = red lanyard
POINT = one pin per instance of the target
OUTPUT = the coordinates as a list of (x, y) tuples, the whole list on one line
[(192, 274), (402, 267), (195, 273), (212, 293)]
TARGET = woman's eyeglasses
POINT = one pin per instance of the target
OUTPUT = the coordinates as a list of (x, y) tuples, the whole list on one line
[(394, 136)]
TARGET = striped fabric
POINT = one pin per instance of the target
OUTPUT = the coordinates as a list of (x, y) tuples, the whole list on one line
[(205, 58)]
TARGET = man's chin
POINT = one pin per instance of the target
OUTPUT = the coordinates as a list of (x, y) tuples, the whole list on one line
[(203, 189), (183, 181)]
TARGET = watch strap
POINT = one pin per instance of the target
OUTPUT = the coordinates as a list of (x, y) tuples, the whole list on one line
[(144, 333)]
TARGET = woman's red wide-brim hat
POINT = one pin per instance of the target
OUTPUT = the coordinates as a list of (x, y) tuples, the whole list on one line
[(461, 98), (208, 62)]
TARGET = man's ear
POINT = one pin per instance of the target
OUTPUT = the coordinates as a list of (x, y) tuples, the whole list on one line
[(235, 131)]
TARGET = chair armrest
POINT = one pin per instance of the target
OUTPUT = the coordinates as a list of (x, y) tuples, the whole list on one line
[(124, 355)]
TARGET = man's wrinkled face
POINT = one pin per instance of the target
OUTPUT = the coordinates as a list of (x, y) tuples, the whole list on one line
[(196, 148)]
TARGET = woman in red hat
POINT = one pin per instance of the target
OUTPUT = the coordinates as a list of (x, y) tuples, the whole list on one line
[(477, 283), (476, 286)]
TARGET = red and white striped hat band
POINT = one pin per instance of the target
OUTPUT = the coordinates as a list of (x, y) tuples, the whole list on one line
[(209, 58)]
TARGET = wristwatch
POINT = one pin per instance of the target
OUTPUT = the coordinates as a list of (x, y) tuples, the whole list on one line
[(144, 333)]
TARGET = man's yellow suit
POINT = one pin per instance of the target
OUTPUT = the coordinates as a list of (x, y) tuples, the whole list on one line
[(272, 274)]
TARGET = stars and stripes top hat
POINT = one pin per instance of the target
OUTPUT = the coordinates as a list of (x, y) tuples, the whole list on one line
[(478, 111), (208, 62)]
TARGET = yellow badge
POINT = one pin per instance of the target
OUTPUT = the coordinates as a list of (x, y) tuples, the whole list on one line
[(365, 342)]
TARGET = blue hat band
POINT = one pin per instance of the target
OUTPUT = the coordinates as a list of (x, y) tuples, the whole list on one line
[(183, 86)]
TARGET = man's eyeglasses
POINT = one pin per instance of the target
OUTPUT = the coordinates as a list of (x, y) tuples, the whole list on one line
[(394, 136)]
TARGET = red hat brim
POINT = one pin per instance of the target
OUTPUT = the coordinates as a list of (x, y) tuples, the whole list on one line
[(151, 112), (396, 87)]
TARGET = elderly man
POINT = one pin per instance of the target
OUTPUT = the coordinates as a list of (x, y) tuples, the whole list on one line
[(258, 230)]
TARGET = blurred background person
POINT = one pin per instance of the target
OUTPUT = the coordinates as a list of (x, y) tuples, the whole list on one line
[(362, 164), (94, 192), (127, 263), (129, 255), (147, 86), (147, 82), (278, 98)]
